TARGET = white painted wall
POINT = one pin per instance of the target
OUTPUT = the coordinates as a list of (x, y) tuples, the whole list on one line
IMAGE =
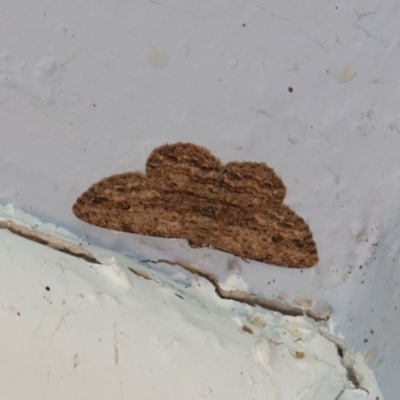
[(88, 89)]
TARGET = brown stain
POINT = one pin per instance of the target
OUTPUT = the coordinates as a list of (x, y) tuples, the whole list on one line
[(246, 329), (299, 355), (188, 193)]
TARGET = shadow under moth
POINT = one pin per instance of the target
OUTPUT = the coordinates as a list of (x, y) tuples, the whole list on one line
[(188, 193)]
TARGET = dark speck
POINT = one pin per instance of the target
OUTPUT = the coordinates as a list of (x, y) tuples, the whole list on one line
[(365, 340), (18, 313), (243, 25), (94, 105), (48, 288), (290, 89)]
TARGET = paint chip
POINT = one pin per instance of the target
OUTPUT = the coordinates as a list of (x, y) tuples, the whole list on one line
[(188, 193)]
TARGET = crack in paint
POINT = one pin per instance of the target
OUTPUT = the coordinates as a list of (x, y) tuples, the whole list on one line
[(243, 297), (49, 241), (236, 295), (346, 360)]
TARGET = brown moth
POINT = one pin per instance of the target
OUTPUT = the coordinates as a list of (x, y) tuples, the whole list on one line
[(188, 193)]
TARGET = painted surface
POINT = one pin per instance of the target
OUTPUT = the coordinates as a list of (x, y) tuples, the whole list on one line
[(88, 89), (97, 330)]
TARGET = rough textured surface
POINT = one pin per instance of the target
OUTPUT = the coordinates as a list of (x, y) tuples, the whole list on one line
[(188, 193)]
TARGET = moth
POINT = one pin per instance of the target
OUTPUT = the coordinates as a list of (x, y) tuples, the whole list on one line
[(188, 193)]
